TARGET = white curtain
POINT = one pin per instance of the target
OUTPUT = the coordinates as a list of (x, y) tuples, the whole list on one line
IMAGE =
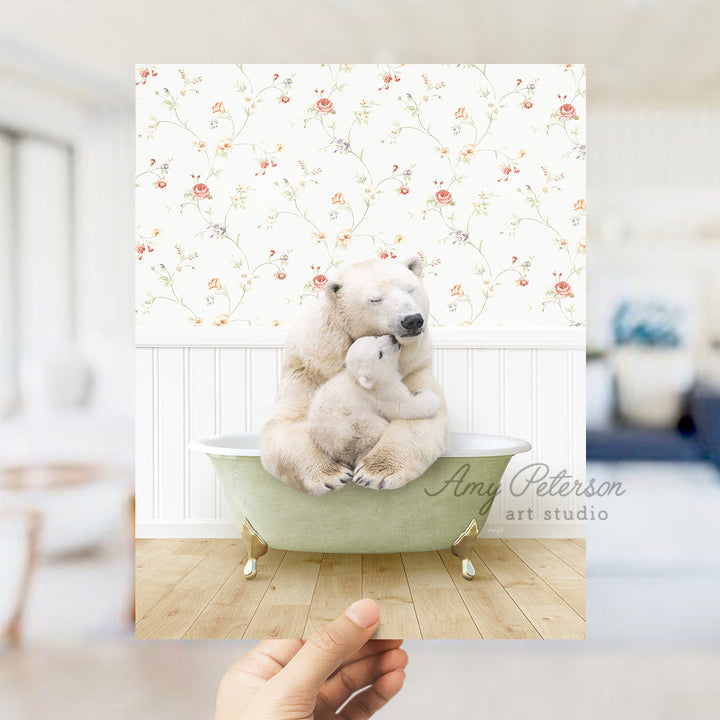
[(45, 272), (7, 252), (37, 269)]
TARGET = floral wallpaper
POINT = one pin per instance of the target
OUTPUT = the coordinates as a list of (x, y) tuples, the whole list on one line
[(255, 182)]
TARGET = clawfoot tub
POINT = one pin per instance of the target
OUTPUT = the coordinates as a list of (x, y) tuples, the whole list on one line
[(445, 507)]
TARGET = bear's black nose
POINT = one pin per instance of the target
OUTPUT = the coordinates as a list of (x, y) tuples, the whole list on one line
[(412, 323)]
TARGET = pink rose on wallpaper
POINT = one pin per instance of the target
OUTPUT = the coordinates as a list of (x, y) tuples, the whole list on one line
[(527, 104), (319, 281), (218, 107), (222, 320), (284, 99), (324, 106), (567, 111), (338, 199), (201, 190), (562, 289), (461, 114), (214, 284), (144, 74), (457, 291), (280, 276), (580, 205), (443, 197), (345, 236)]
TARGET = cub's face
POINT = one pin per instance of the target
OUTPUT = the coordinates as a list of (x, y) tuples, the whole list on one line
[(381, 297), (373, 361)]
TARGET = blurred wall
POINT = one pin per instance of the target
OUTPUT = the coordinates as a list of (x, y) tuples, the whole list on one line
[(654, 198)]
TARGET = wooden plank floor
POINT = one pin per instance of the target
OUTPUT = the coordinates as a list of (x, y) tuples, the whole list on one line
[(522, 589)]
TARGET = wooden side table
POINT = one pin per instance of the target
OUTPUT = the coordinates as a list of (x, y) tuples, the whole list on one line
[(36, 481), (29, 522)]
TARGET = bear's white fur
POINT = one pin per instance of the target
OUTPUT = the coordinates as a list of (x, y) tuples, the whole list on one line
[(373, 297), (350, 412)]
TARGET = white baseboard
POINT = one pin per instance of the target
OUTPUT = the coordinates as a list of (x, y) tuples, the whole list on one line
[(534, 529), (182, 529)]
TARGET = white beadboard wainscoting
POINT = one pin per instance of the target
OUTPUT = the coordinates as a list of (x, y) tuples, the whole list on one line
[(527, 382)]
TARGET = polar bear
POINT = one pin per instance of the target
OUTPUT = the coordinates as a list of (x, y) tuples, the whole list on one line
[(374, 297), (350, 412)]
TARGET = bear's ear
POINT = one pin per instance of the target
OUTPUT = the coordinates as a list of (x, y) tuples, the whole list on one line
[(366, 381), (415, 264), (332, 289)]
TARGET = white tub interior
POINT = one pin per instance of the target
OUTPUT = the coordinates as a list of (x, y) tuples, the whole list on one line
[(461, 445)]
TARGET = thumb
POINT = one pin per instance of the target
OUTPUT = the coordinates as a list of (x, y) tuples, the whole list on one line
[(327, 649)]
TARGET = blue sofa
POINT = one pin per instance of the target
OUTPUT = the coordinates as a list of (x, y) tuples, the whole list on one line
[(695, 439)]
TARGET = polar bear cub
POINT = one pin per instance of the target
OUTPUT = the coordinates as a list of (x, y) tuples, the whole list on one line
[(350, 411)]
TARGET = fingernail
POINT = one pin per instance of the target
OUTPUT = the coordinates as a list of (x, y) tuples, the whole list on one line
[(364, 613)]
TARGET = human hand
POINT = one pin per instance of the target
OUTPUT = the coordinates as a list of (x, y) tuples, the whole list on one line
[(297, 680)]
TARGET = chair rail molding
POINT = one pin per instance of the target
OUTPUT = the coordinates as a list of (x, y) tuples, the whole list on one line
[(443, 337)]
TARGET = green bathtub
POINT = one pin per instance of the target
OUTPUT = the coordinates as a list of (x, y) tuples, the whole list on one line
[(446, 507)]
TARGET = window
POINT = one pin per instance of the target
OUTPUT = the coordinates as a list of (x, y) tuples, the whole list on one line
[(37, 277)]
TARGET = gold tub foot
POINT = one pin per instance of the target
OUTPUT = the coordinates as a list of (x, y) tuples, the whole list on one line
[(463, 547), (255, 546)]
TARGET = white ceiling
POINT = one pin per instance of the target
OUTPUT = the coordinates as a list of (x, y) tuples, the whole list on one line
[(637, 51)]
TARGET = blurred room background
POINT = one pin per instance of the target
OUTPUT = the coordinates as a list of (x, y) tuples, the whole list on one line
[(66, 341)]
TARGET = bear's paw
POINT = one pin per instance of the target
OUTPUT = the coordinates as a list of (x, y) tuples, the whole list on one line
[(379, 478), (330, 478)]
